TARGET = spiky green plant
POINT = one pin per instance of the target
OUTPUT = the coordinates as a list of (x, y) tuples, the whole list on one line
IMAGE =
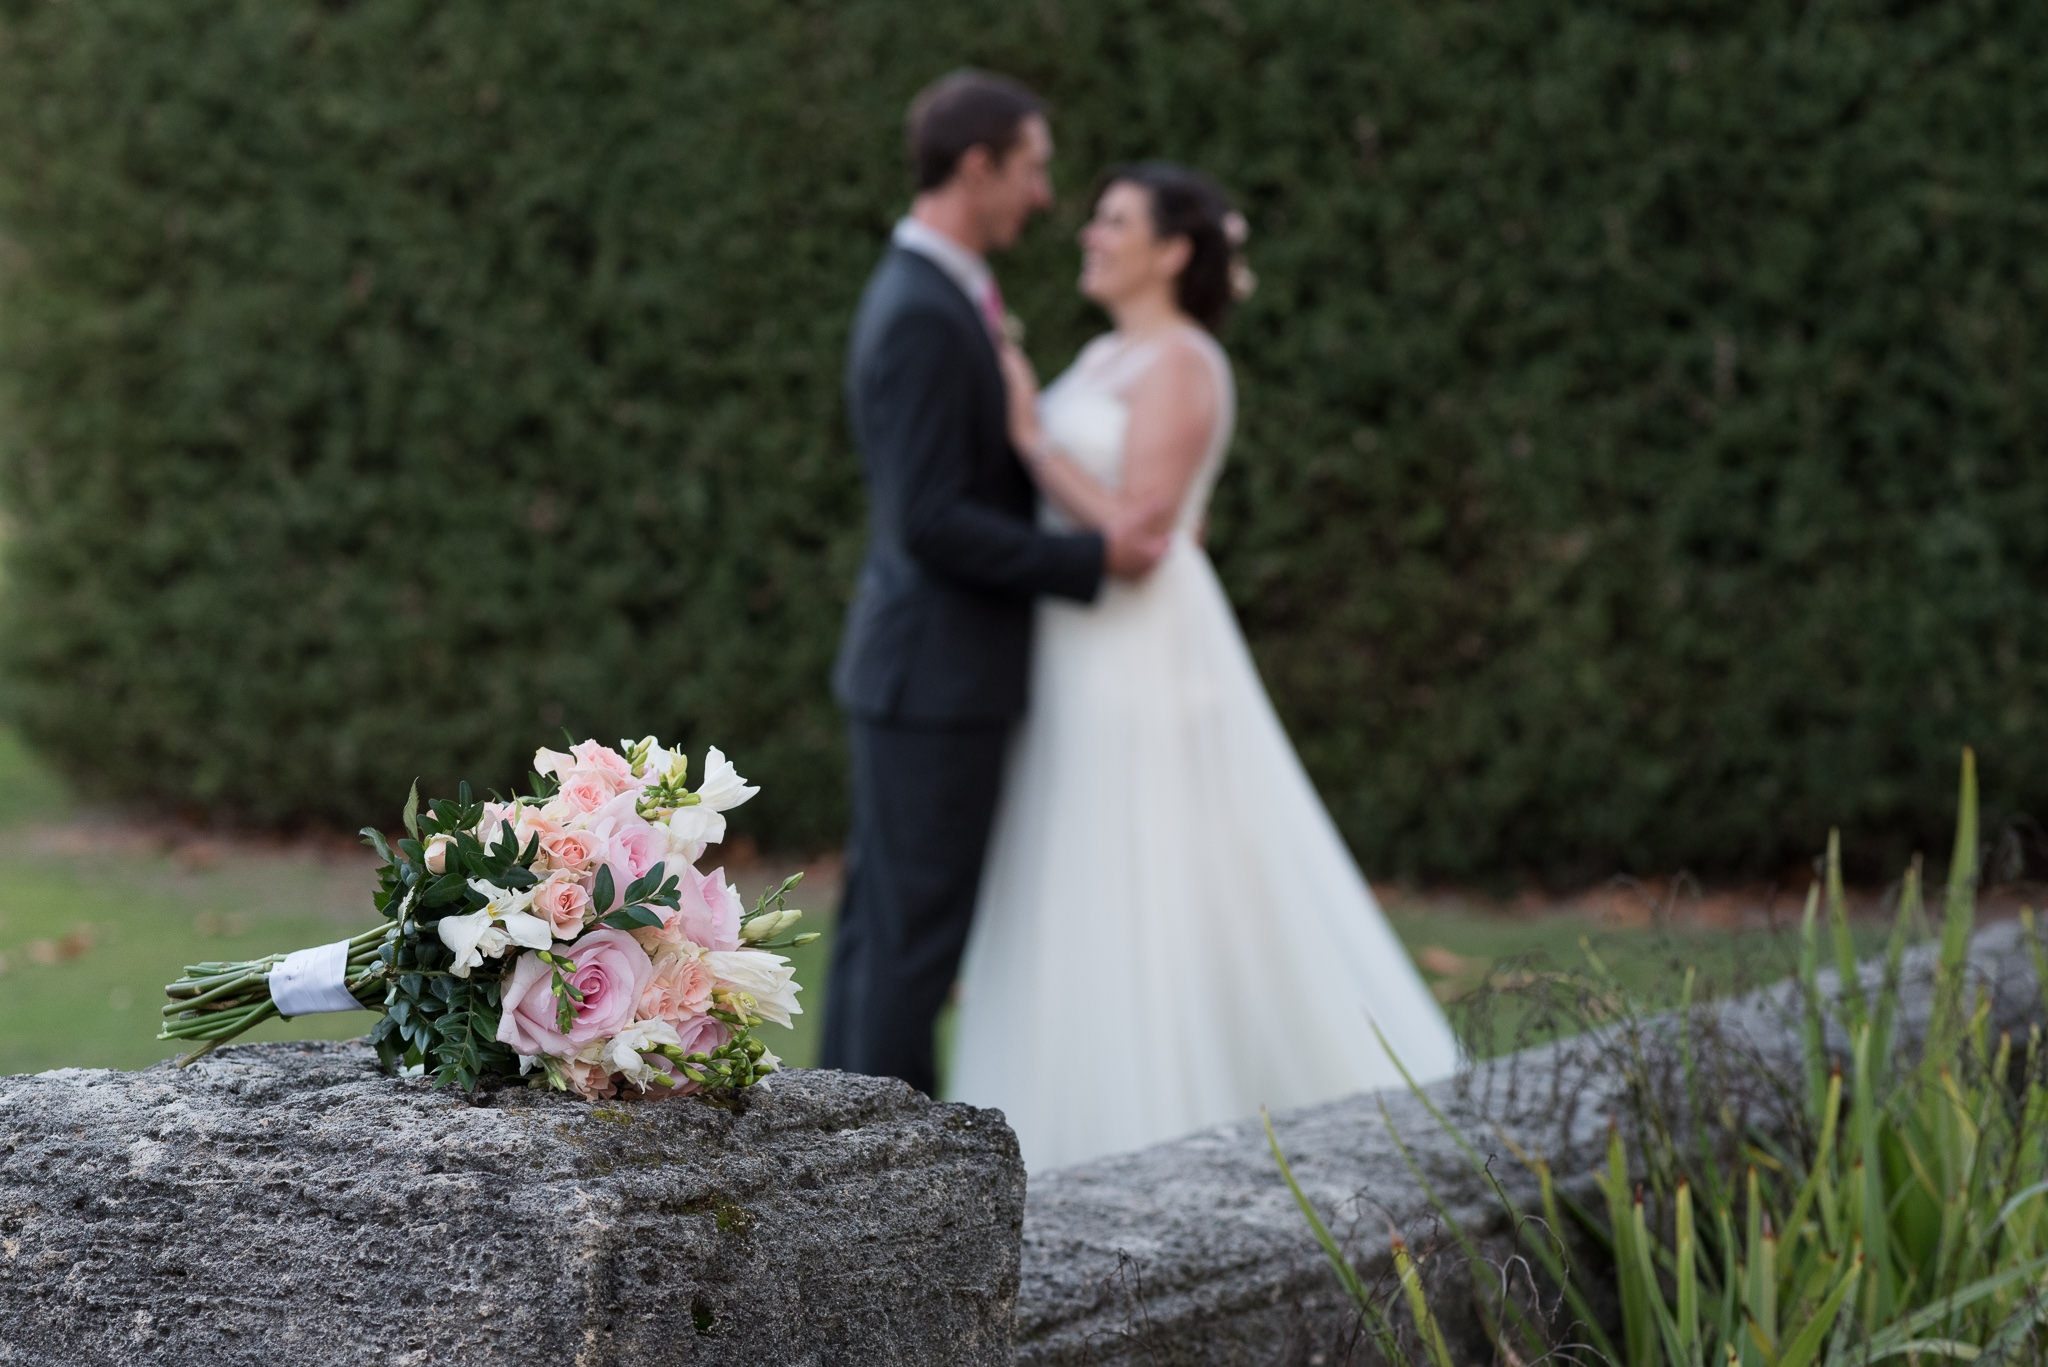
[(1904, 1217)]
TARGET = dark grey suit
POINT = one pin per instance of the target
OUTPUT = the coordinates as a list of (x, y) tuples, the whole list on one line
[(934, 663)]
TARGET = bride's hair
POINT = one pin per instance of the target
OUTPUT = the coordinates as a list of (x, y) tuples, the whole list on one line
[(1188, 204)]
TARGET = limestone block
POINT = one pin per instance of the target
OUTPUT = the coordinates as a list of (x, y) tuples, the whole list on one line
[(1193, 1252), (290, 1206)]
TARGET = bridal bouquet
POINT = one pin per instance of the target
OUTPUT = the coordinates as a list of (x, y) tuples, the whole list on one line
[(568, 930)]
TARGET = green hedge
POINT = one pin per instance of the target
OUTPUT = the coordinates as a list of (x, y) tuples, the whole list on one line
[(1640, 461)]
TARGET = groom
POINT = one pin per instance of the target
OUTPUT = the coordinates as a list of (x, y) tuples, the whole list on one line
[(932, 667)]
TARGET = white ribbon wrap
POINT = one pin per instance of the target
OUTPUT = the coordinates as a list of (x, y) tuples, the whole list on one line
[(310, 981)]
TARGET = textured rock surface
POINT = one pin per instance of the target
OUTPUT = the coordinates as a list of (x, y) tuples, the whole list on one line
[(288, 1205), (1194, 1252)]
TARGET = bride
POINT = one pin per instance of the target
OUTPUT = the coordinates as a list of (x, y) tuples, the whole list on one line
[(1170, 931)]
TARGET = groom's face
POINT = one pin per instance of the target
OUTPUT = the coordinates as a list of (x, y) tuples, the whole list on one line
[(1018, 186)]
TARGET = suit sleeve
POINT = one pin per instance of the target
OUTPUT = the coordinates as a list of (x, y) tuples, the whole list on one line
[(921, 429)]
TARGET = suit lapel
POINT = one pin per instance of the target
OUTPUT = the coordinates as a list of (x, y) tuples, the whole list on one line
[(993, 429), (956, 299)]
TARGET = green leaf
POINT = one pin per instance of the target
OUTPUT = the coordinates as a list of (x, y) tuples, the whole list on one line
[(1959, 913), (450, 887), (1932, 1348), (1347, 1276), (1806, 1343), (631, 918), (643, 887), (412, 811), (1850, 997), (601, 895)]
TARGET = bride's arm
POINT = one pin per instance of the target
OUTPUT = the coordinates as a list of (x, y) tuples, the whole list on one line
[(1172, 414)]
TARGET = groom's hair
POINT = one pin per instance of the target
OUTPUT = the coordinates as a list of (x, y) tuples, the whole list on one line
[(962, 110)]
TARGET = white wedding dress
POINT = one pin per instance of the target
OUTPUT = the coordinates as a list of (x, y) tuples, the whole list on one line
[(1170, 932)]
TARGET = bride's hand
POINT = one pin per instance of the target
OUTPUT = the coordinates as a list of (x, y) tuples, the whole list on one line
[(1022, 384)]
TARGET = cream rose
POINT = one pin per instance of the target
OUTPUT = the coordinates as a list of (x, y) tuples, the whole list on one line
[(680, 988), (588, 789), (562, 902), (571, 850)]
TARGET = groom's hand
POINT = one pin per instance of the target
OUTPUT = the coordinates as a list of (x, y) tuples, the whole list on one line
[(1133, 543)]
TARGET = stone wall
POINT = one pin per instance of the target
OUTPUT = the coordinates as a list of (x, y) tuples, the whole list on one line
[(1194, 1252), (289, 1206)]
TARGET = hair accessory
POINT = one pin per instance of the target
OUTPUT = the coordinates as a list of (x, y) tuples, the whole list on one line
[(1243, 284), (1235, 230)]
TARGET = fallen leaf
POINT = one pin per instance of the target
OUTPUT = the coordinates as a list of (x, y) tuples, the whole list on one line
[(1437, 959)]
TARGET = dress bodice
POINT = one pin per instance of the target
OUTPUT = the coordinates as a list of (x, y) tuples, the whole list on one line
[(1085, 413)]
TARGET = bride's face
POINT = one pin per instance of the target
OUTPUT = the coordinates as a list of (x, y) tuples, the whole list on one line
[(1121, 256)]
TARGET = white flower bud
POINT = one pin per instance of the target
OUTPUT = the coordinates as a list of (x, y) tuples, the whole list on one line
[(769, 926)]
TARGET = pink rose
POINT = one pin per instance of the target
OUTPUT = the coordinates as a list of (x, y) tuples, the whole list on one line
[(679, 988), (703, 1035), (700, 1035), (638, 846), (611, 973), (561, 901), (588, 789), (572, 850), (712, 919), (531, 822), (592, 756), (708, 915)]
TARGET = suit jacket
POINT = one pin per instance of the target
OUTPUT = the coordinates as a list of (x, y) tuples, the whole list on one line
[(940, 627)]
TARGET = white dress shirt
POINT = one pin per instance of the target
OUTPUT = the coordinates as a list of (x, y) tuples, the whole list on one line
[(964, 268)]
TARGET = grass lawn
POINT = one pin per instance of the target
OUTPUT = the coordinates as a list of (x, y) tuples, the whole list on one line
[(97, 914)]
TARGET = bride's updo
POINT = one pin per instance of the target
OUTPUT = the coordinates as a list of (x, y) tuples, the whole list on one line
[(1188, 204)]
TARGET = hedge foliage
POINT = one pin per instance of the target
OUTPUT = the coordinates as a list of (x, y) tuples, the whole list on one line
[(1640, 461)]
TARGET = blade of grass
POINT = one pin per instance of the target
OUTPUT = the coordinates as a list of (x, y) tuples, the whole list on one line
[(1347, 1276), (1849, 997)]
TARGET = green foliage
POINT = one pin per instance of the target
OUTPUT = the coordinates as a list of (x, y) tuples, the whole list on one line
[(1640, 455), (442, 1024), (1903, 1217)]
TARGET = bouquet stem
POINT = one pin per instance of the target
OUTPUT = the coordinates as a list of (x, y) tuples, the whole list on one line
[(215, 1001)]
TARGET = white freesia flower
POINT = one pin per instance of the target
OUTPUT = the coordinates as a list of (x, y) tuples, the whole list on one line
[(765, 978), (546, 761), (488, 933), (503, 901), (622, 1053), (529, 932), (690, 829), (472, 937), (722, 789)]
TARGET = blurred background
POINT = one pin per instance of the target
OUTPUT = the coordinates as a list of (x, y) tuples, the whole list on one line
[(1639, 471)]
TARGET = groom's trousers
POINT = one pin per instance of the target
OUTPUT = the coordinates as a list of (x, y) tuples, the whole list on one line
[(923, 801)]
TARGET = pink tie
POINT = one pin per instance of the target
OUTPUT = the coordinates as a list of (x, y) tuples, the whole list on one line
[(992, 311)]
